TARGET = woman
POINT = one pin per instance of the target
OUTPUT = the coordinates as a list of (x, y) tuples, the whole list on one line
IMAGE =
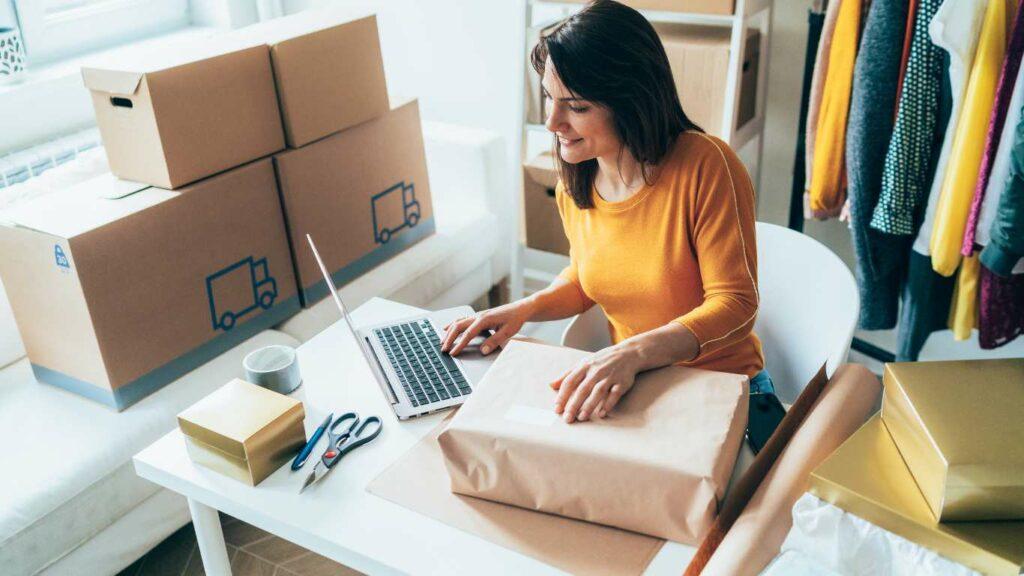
[(659, 217)]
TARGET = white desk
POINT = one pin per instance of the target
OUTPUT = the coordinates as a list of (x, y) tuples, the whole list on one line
[(338, 518)]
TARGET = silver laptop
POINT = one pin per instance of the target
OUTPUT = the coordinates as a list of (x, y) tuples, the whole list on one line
[(406, 359)]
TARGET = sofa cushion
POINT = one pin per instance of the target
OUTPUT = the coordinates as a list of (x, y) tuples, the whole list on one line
[(68, 460), (468, 175), (11, 347)]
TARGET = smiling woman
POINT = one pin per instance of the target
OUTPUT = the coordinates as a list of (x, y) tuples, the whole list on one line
[(611, 56), (659, 218)]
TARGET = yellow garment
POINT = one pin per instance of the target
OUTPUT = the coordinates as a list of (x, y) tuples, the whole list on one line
[(681, 249), (828, 175), (969, 138), (963, 312)]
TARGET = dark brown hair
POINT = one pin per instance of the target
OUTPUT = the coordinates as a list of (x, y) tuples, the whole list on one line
[(610, 55)]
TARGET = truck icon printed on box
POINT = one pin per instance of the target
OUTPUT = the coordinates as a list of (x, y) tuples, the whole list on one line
[(238, 289), (398, 199)]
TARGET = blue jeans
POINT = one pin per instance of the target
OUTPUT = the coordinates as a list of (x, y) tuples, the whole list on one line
[(762, 382)]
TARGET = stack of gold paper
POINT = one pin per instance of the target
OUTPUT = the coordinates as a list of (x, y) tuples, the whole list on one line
[(243, 431), (948, 445)]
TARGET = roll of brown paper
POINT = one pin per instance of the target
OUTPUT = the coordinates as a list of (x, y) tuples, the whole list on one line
[(755, 517)]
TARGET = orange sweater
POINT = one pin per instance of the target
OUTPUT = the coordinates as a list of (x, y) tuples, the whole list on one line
[(680, 250)]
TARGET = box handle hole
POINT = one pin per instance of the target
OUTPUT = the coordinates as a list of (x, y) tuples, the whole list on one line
[(121, 102), (551, 192)]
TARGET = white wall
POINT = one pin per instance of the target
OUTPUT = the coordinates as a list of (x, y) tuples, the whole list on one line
[(459, 57)]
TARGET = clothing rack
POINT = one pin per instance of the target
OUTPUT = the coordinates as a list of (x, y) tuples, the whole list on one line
[(945, 252)]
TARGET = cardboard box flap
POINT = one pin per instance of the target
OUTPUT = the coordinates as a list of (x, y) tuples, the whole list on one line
[(541, 170), (164, 57), (231, 416), (86, 206), (306, 22), (111, 81)]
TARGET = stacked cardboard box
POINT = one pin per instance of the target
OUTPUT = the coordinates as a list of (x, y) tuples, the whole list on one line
[(119, 286), (699, 57), (946, 445), (355, 175)]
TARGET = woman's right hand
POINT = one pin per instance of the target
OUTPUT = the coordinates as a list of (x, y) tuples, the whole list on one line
[(505, 321)]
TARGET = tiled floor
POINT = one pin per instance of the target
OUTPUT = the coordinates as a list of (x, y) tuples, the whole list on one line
[(252, 551)]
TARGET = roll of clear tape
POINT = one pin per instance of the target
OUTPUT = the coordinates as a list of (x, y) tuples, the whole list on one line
[(274, 368)]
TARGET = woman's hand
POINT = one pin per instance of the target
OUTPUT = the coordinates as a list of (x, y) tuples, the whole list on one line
[(505, 321), (595, 385)]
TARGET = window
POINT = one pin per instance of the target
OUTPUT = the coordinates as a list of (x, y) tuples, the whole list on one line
[(56, 29)]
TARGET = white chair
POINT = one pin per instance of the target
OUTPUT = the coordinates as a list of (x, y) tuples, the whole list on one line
[(808, 311)]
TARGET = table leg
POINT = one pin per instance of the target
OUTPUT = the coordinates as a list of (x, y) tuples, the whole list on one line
[(206, 522)]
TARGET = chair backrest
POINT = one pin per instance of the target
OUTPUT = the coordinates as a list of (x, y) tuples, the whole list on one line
[(807, 315)]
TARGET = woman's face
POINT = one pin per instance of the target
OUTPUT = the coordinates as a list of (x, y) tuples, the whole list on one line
[(584, 130)]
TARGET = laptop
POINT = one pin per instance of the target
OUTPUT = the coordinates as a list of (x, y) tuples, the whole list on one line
[(406, 359)]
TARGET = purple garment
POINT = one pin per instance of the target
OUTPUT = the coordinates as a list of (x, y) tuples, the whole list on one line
[(1004, 92), (1001, 314)]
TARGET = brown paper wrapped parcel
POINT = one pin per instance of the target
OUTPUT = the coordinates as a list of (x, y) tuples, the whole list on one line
[(657, 464)]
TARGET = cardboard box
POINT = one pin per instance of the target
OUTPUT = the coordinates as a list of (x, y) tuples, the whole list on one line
[(960, 428), (868, 478), (699, 57), (657, 464), (119, 289), (328, 70), (726, 7), (544, 229), (187, 112), (363, 195), (243, 431)]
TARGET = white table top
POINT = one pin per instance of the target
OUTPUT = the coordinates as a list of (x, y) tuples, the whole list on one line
[(338, 518)]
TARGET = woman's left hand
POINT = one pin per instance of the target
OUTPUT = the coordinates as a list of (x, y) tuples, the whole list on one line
[(593, 387)]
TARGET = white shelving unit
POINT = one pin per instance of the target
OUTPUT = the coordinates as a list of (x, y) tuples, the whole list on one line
[(541, 267)]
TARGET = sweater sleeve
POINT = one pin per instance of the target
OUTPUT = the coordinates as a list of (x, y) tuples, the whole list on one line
[(723, 239), (1007, 244)]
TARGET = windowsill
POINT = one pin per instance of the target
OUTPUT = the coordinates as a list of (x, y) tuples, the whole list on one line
[(69, 67), (51, 101)]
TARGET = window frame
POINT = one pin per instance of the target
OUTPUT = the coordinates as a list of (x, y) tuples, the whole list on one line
[(54, 37)]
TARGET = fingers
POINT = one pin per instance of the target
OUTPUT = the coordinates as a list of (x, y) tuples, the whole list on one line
[(496, 340), (467, 336), (452, 331), (567, 387), (591, 407), (558, 383), (614, 395), (572, 408)]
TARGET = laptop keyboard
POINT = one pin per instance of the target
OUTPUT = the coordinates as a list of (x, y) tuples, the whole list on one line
[(427, 375)]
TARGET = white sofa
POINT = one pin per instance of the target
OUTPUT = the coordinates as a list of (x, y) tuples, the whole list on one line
[(70, 502)]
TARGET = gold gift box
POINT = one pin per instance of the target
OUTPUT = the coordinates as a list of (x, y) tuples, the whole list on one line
[(960, 428), (243, 431), (867, 477)]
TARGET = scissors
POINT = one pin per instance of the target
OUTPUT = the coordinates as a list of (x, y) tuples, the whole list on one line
[(345, 434)]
